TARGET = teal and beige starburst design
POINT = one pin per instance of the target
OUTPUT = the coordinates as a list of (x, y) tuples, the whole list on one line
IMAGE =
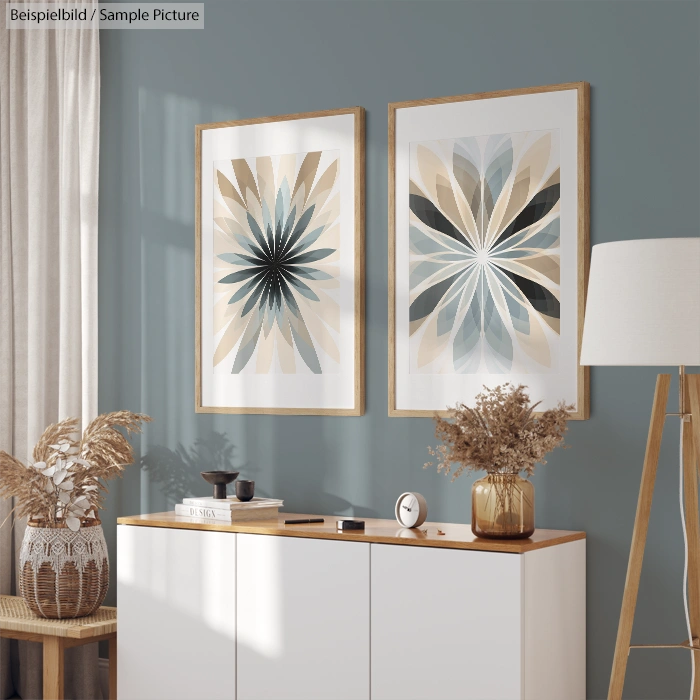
[(276, 273), (484, 257)]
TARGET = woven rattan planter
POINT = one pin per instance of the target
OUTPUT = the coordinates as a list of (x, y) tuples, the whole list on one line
[(64, 574)]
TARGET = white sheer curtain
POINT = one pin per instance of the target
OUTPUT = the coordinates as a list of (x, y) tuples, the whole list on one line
[(49, 148)]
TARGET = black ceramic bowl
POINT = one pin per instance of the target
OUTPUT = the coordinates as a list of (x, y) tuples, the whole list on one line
[(219, 480)]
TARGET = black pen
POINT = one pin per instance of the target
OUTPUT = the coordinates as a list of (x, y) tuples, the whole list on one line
[(304, 521)]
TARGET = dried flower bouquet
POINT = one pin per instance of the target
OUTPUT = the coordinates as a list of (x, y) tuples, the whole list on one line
[(500, 435), (64, 483)]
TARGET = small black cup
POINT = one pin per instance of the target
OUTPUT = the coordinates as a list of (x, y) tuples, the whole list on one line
[(245, 489)]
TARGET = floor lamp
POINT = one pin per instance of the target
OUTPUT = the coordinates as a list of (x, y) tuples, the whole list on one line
[(643, 308)]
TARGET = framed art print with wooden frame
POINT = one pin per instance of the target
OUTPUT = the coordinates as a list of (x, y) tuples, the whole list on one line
[(488, 247), (279, 265)]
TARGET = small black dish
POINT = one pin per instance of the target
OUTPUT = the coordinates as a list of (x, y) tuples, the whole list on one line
[(245, 489), (219, 480)]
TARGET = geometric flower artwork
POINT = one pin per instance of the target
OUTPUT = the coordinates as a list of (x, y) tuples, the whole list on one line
[(484, 254), (276, 277), (279, 264), (488, 247)]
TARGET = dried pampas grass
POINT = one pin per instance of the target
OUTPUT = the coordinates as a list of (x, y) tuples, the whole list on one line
[(65, 482), (500, 435)]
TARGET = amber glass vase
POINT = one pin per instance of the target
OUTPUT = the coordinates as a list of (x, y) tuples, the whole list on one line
[(503, 506)]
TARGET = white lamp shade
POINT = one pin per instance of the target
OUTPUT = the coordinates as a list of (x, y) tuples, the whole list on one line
[(643, 304)]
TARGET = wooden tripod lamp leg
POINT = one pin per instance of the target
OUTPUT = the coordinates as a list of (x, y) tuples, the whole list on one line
[(693, 406), (692, 516), (639, 537)]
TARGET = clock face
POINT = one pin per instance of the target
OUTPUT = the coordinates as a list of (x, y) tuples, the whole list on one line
[(408, 510)]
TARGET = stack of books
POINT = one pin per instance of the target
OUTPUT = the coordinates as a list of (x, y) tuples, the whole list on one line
[(229, 509)]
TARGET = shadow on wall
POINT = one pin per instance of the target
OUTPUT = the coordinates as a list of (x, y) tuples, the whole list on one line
[(177, 472)]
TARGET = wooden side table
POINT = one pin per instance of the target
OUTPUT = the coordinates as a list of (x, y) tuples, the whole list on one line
[(17, 621)]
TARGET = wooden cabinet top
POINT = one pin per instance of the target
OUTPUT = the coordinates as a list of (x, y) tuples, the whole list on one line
[(456, 536)]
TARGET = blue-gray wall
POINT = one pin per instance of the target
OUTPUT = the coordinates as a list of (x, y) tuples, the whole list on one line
[(264, 58)]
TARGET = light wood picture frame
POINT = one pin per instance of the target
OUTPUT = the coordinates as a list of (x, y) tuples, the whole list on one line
[(440, 151), (279, 264)]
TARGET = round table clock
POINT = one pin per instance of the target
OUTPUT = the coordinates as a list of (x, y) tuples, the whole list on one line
[(411, 509)]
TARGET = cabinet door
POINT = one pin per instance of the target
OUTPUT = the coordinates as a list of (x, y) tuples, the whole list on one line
[(176, 607), (445, 624), (303, 619)]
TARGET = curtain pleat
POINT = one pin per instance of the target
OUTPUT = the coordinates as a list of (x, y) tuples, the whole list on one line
[(49, 150), (6, 344)]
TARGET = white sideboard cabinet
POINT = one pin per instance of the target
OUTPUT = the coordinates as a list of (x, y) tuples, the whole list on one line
[(264, 611)]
